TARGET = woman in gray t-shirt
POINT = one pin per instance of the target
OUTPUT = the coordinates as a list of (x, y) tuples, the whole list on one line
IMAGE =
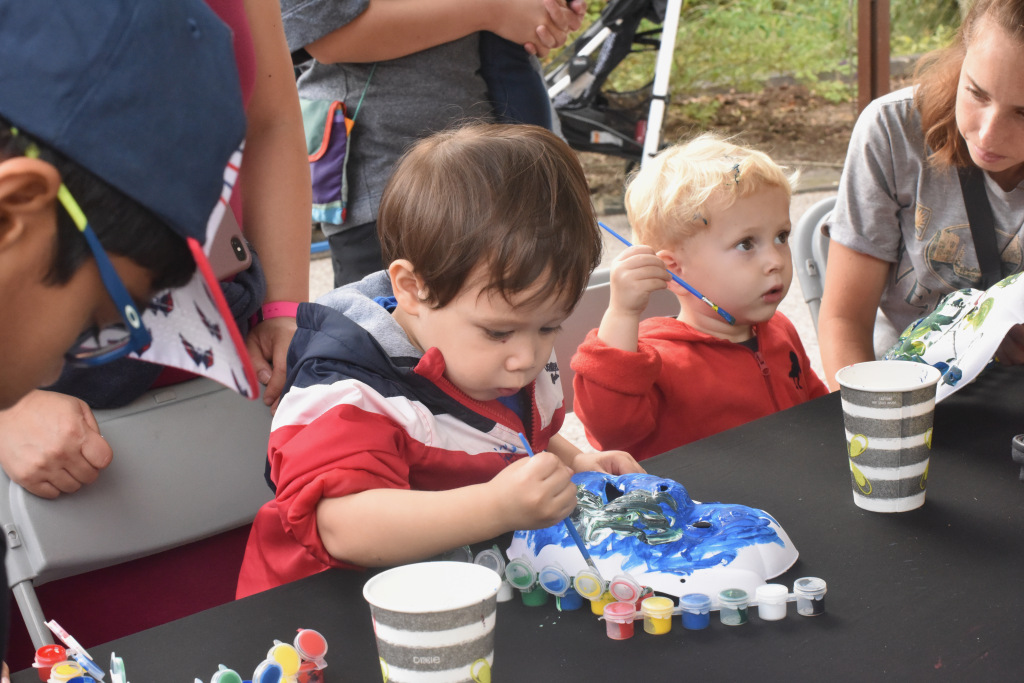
[(900, 237)]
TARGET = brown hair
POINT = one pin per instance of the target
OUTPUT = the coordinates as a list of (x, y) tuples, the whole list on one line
[(937, 77), (511, 196)]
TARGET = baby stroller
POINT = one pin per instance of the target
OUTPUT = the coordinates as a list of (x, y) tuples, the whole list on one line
[(626, 125)]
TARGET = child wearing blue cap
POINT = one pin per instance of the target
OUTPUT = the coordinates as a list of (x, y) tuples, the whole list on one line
[(118, 122)]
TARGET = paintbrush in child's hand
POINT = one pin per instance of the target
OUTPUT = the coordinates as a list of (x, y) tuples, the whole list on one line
[(569, 526), (680, 281)]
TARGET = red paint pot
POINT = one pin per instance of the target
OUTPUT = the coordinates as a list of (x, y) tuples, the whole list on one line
[(46, 657)]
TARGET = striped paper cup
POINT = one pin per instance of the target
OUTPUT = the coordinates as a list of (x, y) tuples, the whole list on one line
[(888, 409), (434, 621)]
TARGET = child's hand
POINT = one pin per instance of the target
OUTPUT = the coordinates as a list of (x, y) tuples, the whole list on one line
[(533, 493), (609, 462), (635, 274)]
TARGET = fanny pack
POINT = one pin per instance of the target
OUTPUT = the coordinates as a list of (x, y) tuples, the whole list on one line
[(328, 135)]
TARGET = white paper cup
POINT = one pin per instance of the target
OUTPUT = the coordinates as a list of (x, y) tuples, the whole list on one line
[(434, 621), (888, 410)]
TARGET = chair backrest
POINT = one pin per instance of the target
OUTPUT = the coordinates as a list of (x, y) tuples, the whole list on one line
[(188, 464), (587, 316), (809, 245)]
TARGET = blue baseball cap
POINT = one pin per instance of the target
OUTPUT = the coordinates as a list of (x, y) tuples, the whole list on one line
[(144, 94)]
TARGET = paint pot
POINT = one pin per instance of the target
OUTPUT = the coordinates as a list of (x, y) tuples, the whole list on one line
[(625, 589), (732, 606), (62, 672), (268, 671), (287, 657), (46, 657), (618, 618), (810, 596), (225, 675), (554, 580), (657, 613), (590, 585), (90, 667), (493, 559), (312, 649), (771, 601), (569, 602), (461, 554), (696, 611), (522, 576)]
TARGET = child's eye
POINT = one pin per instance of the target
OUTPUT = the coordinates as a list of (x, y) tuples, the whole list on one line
[(783, 237), (496, 335), (976, 94), (745, 245), (551, 330)]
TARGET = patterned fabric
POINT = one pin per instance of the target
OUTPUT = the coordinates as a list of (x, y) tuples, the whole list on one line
[(364, 409)]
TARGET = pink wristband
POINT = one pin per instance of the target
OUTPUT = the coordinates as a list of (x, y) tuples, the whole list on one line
[(278, 309)]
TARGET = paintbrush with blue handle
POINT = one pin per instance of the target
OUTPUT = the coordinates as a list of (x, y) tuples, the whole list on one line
[(569, 526), (680, 281)]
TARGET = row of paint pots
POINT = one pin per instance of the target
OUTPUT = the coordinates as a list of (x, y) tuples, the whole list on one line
[(301, 662), (733, 605)]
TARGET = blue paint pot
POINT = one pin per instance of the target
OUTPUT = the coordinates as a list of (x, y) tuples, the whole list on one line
[(570, 601), (696, 611), (554, 580)]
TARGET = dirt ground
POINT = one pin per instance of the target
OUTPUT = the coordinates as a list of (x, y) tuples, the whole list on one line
[(798, 129)]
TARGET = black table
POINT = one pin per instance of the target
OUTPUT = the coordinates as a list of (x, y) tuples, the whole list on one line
[(910, 595)]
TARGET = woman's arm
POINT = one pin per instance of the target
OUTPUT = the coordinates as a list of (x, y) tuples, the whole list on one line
[(390, 29), (853, 289), (277, 195)]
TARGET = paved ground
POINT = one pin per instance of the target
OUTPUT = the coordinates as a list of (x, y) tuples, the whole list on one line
[(819, 186)]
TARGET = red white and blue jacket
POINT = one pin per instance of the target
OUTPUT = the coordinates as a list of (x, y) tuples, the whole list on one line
[(365, 409)]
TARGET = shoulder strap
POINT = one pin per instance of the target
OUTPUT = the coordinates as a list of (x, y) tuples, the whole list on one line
[(983, 229)]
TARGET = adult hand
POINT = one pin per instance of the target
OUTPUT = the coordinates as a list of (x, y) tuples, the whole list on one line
[(553, 33), (50, 444), (268, 344)]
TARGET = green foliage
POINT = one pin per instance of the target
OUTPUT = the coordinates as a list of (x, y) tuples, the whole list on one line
[(743, 44)]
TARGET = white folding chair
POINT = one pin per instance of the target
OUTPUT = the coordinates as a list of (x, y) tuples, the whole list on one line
[(587, 316), (809, 245), (188, 464)]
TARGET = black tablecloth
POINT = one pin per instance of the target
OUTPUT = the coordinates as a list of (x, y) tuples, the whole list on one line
[(915, 594)]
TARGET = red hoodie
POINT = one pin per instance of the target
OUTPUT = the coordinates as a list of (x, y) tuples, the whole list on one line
[(682, 385)]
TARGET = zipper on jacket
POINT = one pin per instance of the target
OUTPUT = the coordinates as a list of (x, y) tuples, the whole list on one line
[(767, 375)]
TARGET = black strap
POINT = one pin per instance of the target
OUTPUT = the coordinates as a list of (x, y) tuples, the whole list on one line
[(983, 228)]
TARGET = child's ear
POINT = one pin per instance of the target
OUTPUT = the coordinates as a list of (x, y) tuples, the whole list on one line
[(28, 189), (668, 257), (407, 286)]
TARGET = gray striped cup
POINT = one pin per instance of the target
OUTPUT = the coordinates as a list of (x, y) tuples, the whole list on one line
[(434, 621), (888, 409)]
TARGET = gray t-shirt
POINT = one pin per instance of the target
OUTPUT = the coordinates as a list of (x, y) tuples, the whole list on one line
[(895, 206), (405, 99)]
